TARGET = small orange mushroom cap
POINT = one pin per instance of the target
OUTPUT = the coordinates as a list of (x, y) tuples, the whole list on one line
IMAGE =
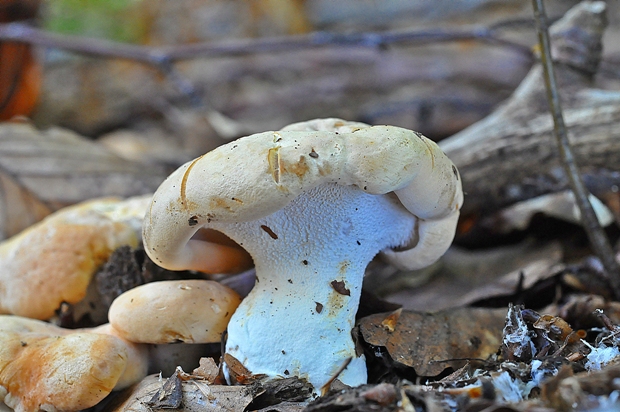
[(58, 373), (54, 260), (190, 311)]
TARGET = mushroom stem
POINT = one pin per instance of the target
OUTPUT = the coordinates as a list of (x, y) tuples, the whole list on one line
[(310, 260)]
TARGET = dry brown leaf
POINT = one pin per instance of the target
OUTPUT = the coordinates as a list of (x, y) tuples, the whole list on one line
[(42, 171), (208, 370), (425, 341)]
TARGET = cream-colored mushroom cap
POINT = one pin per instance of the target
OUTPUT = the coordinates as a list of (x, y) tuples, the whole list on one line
[(58, 373), (259, 174), (190, 311), (137, 359), (54, 260)]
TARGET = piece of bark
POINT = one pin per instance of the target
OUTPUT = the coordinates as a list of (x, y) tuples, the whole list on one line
[(273, 392), (285, 407), (511, 155)]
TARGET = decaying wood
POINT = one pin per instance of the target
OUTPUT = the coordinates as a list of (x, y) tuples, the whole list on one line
[(511, 155), (419, 69), (119, 274), (23, 33)]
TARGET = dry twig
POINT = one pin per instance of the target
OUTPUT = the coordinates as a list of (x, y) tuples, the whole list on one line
[(164, 57), (23, 33), (595, 232)]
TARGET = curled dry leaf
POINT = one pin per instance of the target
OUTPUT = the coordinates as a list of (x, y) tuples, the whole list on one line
[(208, 370), (170, 395), (428, 341), (42, 171)]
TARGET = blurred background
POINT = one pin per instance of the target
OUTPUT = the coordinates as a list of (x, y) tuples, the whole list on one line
[(437, 88)]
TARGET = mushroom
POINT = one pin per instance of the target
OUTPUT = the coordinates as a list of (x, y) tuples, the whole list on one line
[(137, 357), (54, 260), (312, 204), (171, 315), (44, 367)]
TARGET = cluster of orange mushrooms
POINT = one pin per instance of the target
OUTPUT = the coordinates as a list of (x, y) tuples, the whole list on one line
[(312, 204)]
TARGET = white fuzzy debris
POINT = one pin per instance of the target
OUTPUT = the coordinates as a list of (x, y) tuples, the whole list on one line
[(508, 389), (519, 335), (537, 375), (512, 390), (609, 403), (601, 356)]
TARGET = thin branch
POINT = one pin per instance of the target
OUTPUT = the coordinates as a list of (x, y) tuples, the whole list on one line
[(163, 58), (23, 33), (595, 232)]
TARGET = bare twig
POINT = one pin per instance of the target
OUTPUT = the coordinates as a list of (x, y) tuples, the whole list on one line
[(163, 58), (595, 233), (24, 33)]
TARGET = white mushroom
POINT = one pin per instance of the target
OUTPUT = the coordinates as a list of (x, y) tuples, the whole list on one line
[(312, 204)]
